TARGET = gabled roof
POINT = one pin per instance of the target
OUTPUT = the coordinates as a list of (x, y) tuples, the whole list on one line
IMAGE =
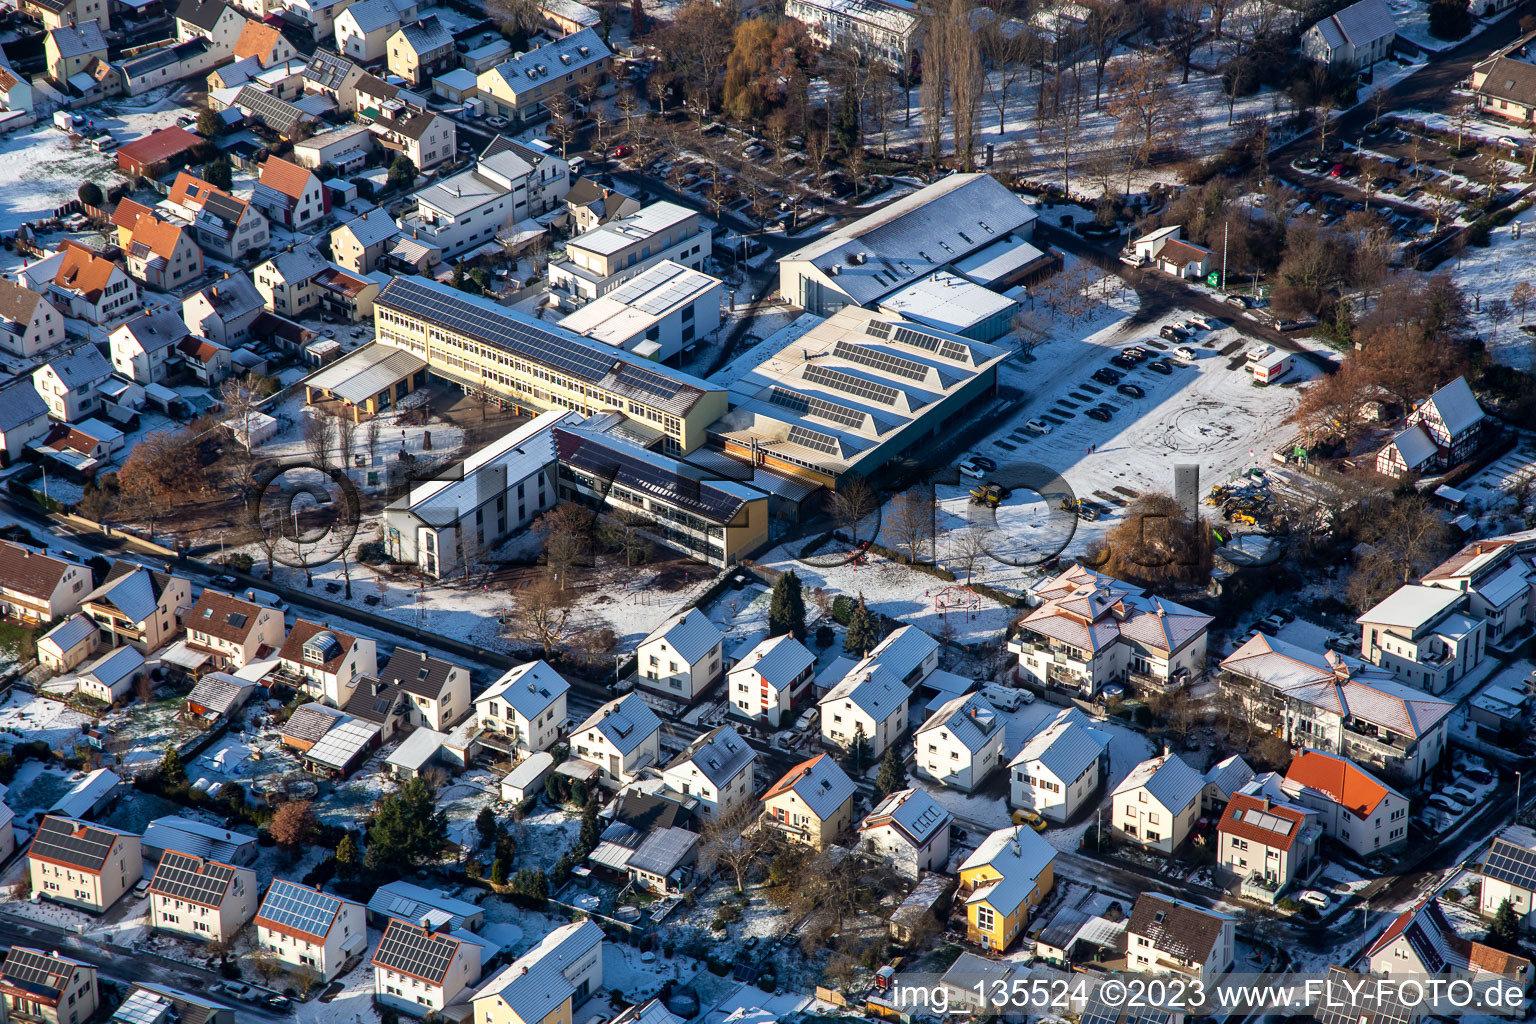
[(1261, 820), (195, 879), (131, 589), (204, 14), (819, 782), (114, 666), (416, 952), (1511, 79), (327, 70), (780, 660), (371, 228), (535, 985), (18, 303), (407, 902), (1176, 250), (220, 692), (1229, 775), (371, 15), (1176, 928), (1456, 406), (719, 755), (160, 144), (300, 910), (76, 844), (85, 365), (1360, 24), (1443, 950), (969, 718), (426, 35), (530, 688), (690, 634), (34, 974), (625, 722), (1168, 779), (30, 572), (257, 39), (876, 691), (913, 813), (303, 631), (549, 62), (313, 720), (74, 630), (1017, 853), (154, 329), (232, 298), (84, 272), (1414, 444), (1512, 858), (286, 178), (224, 616), (78, 40), (1066, 745), (417, 673), (1340, 780)]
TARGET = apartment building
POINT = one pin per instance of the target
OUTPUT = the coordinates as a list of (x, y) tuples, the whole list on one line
[(597, 262), (1423, 636), (83, 865), (510, 182), (1499, 576), (887, 30), (1354, 807), (197, 898), (309, 929), (519, 89)]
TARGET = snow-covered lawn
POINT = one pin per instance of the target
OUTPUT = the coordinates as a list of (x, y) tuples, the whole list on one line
[(28, 717), (1492, 273)]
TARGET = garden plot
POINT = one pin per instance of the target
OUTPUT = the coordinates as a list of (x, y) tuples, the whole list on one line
[(1492, 273), (543, 837), (29, 717), (1497, 489)]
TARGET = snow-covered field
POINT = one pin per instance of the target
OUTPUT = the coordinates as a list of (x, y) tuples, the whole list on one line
[(29, 717), (1492, 273)]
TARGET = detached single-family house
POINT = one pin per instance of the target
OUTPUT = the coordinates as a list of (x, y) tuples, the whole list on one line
[(546, 984), (363, 28), (1423, 636), (29, 323), (233, 632), (362, 242), (771, 680), (438, 690), (307, 928), (70, 385), (68, 644), (198, 898), (1505, 86), (1157, 803), (1169, 936), (1059, 767), (424, 970), (716, 769), (909, 830), (1002, 883), (812, 803), (291, 195), (224, 312), (426, 139), (525, 710), (1354, 807), (264, 43), (418, 52), (213, 20), (35, 587), (961, 743), (139, 607), (70, 49), (23, 419), (83, 865), (682, 657), (1354, 39), (144, 349), (289, 282), (1509, 875), (325, 662), (1267, 842), (163, 255), (1422, 942), (47, 987), (869, 705), (1453, 420), (83, 284), (620, 738)]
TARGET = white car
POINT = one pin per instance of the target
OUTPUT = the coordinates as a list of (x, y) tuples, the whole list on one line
[(1039, 426), (1313, 898), (970, 469), (1203, 322), (1185, 353)]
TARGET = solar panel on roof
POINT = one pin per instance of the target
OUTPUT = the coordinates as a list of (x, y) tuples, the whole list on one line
[(885, 362), (34, 970), (815, 439), (409, 949), (878, 329), (614, 467), (191, 878), (928, 342), (1508, 862), (294, 906), (57, 840), (816, 407), (847, 383)]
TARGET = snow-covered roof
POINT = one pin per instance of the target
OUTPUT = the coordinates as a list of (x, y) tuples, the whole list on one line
[(74, 630), (1229, 775), (913, 813), (916, 235), (534, 985), (564, 56), (778, 659), (114, 666), (529, 688), (998, 260), (719, 755), (690, 634), (411, 903), (1413, 443), (1066, 745), (1168, 779), (419, 748), (625, 722), (1020, 855), (1360, 24), (819, 782), (1455, 404), (947, 301), (877, 691), (1412, 607), (969, 718), (371, 15), (85, 794), (1090, 611)]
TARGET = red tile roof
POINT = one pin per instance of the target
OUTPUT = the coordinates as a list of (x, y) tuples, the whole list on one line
[(1243, 829), (157, 146), (1344, 781), (287, 178)]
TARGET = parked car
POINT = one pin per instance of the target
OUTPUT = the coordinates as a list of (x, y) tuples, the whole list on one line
[(1313, 898), (1124, 362), (1185, 353), (1449, 804), (1160, 366), (1169, 332), (1135, 352), (1271, 623), (1241, 301), (1336, 171), (1205, 323), (1039, 426), (1104, 375), (224, 581), (1097, 413), (972, 469), (496, 122), (1134, 390)]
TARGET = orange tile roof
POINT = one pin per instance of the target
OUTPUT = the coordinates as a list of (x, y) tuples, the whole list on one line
[(128, 213), (1496, 961), (256, 40), (1253, 833), (289, 179), (791, 777), (161, 236), (1346, 782), (83, 271)]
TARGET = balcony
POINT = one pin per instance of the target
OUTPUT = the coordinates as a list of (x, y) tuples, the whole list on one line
[(1261, 889)]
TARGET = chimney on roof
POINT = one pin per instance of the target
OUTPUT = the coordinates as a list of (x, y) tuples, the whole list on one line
[(1166, 750), (1265, 802)]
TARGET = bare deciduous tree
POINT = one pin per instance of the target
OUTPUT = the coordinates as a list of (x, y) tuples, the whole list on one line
[(735, 841), (910, 520)]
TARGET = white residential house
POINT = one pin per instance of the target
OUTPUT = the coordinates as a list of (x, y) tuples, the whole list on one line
[(1266, 841), (144, 349), (213, 20), (229, 228), (909, 830), (363, 29), (1166, 249), (83, 284), (437, 690), (1157, 803), (1167, 935), (360, 243), (163, 254), (1421, 942), (326, 662), (224, 312), (141, 607), (70, 385), (306, 928), (289, 194), (682, 657), (1059, 767), (422, 970), (47, 987), (1499, 575), (547, 983), (620, 738), (1423, 636), (511, 182), (961, 743), (23, 419), (869, 704), (717, 770), (289, 282), (29, 323), (1354, 807), (68, 644), (426, 138), (233, 632), (1509, 874), (39, 588), (1090, 629), (771, 680), (110, 677), (198, 898), (599, 261), (1354, 39), (83, 865), (525, 710)]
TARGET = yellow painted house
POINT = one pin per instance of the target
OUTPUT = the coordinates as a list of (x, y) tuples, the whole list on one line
[(1002, 883), (547, 983)]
